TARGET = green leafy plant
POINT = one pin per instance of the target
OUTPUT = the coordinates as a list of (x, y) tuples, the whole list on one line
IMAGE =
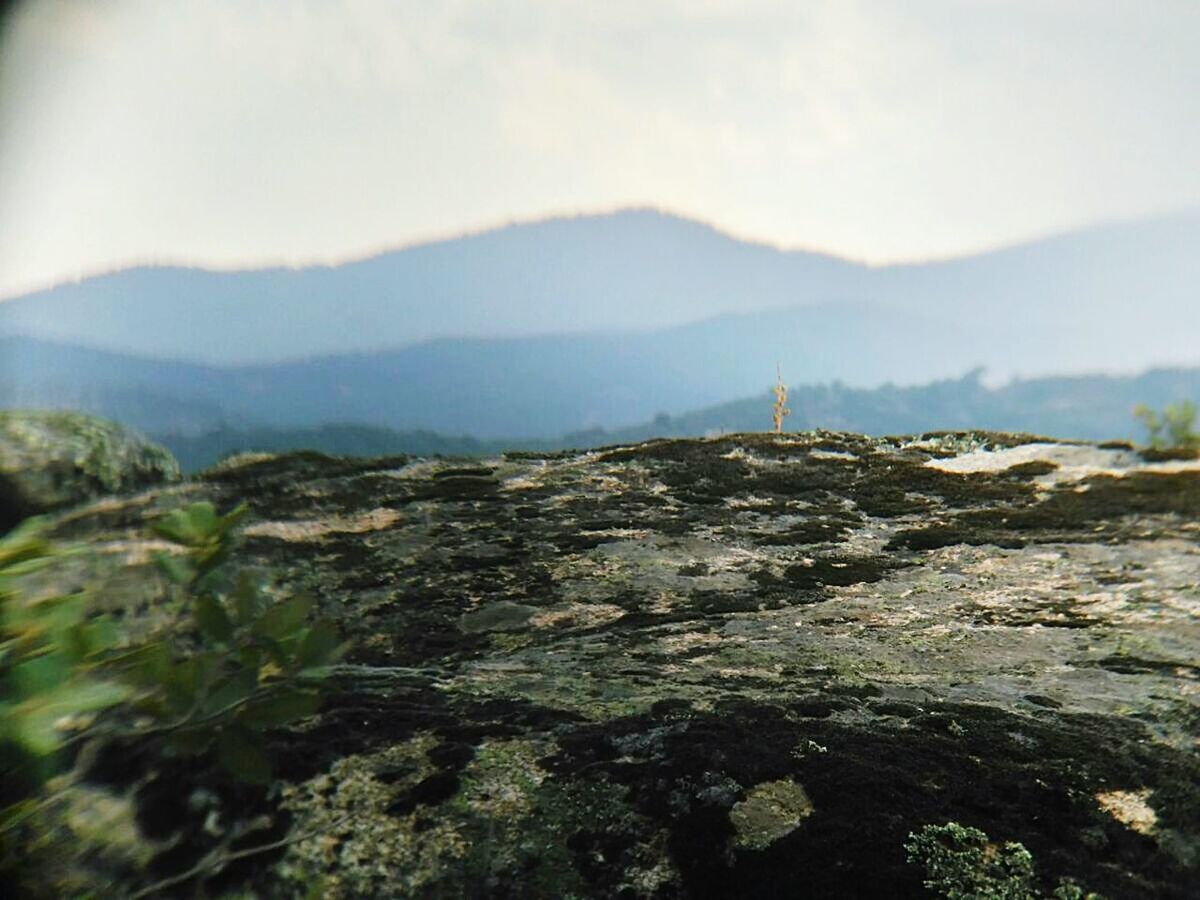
[(50, 678), (256, 664), (243, 664), (962, 864), (1173, 428)]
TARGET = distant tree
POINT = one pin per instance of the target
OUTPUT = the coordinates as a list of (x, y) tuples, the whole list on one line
[(1174, 427)]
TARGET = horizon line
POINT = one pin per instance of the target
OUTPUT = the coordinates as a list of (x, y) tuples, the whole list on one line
[(387, 248)]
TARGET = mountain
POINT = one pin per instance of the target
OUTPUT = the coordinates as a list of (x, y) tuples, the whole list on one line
[(494, 388), (632, 270), (1119, 297)]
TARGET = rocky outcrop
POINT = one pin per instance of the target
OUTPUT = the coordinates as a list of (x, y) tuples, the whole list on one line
[(749, 666), (52, 460)]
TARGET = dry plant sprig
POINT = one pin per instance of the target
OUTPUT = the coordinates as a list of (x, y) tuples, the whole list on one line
[(779, 410)]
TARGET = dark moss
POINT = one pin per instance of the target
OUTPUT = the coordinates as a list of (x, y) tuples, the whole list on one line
[(1169, 454), (428, 791), (816, 530), (536, 455), (1101, 508), (299, 465), (466, 472), (871, 787), (1043, 701), (1030, 469), (838, 571), (1133, 665), (896, 708)]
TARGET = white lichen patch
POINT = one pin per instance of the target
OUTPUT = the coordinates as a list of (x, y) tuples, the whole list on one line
[(523, 482), (315, 529), (617, 534), (352, 845), (769, 674), (248, 458), (753, 501), (501, 781), (844, 455), (1074, 462), (1130, 808), (420, 469), (772, 810)]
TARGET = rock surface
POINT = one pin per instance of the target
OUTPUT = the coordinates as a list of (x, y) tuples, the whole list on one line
[(51, 460), (742, 667)]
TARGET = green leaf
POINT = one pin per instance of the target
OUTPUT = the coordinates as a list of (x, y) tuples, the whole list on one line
[(189, 741), (188, 682), (248, 601), (242, 753), (34, 731), (100, 634), (176, 568), (231, 519), (147, 666), (319, 646), (39, 674), (33, 724), (58, 614), (237, 687), (251, 658), (284, 618), (211, 619), (280, 706), (277, 652), (202, 519), (91, 696), (23, 567), (176, 526)]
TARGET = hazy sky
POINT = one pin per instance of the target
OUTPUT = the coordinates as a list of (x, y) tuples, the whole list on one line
[(230, 131)]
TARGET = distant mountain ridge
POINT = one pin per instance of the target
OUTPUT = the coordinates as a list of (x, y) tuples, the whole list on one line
[(632, 270), (640, 271)]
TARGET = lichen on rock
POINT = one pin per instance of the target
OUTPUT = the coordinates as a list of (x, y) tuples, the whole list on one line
[(51, 460), (745, 666)]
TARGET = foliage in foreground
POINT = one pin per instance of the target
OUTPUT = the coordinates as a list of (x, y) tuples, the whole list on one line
[(962, 864), (246, 665), (50, 678)]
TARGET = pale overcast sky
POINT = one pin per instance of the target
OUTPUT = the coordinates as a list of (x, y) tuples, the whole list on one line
[(247, 131)]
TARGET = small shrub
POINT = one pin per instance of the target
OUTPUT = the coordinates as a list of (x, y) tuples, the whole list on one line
[(246, 665), (257, 665), (962, 864), (1173, 428)]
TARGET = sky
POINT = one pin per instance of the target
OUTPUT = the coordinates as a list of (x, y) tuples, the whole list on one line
[(248, 132)]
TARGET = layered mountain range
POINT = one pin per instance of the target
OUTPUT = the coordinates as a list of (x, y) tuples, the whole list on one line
[(592, 322)]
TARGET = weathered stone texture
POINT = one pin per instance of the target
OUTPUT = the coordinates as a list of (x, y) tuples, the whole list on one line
[(52, 460), (740, 667)]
